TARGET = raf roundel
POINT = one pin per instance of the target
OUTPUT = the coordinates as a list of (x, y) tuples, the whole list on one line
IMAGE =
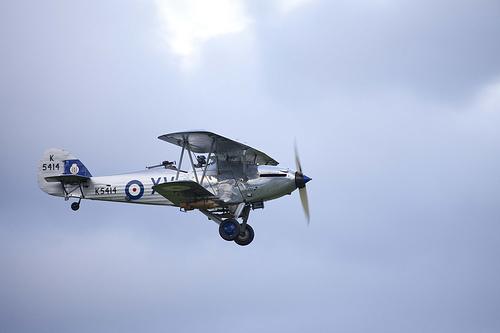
[(134, 190)]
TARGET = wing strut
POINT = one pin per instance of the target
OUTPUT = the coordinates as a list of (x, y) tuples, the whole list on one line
[(180, 161), (185, 146), (192, 165), (208, 161)]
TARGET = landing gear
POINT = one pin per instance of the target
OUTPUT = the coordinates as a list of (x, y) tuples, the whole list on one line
[(75, 206), (229, 229), (245, 236)]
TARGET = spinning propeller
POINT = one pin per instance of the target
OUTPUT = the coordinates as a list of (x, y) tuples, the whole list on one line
[(300, 181)]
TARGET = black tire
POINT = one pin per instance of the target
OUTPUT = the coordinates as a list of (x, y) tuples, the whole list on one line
[(229, 229), (245, 237), (75, 206)]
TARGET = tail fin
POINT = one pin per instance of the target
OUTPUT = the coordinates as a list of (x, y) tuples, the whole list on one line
[(58, 164)]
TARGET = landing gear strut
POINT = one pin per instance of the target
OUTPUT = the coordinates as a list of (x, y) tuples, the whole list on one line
[(246, 234)]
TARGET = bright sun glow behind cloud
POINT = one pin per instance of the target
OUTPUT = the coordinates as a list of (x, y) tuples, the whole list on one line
[(286, 6), (190, 23)]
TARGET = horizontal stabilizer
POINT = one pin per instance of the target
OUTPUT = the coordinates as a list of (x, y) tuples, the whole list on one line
[(67, 179), (183, 192)]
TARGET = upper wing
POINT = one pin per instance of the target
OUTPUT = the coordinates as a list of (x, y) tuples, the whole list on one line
[(202, 141), (183, 192)]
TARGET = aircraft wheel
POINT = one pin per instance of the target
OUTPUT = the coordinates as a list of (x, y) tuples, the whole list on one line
[(245, 237), (229, 229), (75, 206)]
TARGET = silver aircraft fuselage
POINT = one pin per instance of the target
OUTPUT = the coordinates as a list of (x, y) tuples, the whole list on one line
[(267, 183)]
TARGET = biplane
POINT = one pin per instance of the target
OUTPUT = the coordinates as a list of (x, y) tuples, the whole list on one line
[(224, 180)]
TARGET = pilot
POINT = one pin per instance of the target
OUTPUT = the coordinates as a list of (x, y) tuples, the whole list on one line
[(202, 160)]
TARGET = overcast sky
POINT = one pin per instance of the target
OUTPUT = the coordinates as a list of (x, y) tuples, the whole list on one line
[(395, 106)]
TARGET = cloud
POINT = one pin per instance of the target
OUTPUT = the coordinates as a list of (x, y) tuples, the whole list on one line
[(188, 24), (405, 197), (488, 98), (287, 6)]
